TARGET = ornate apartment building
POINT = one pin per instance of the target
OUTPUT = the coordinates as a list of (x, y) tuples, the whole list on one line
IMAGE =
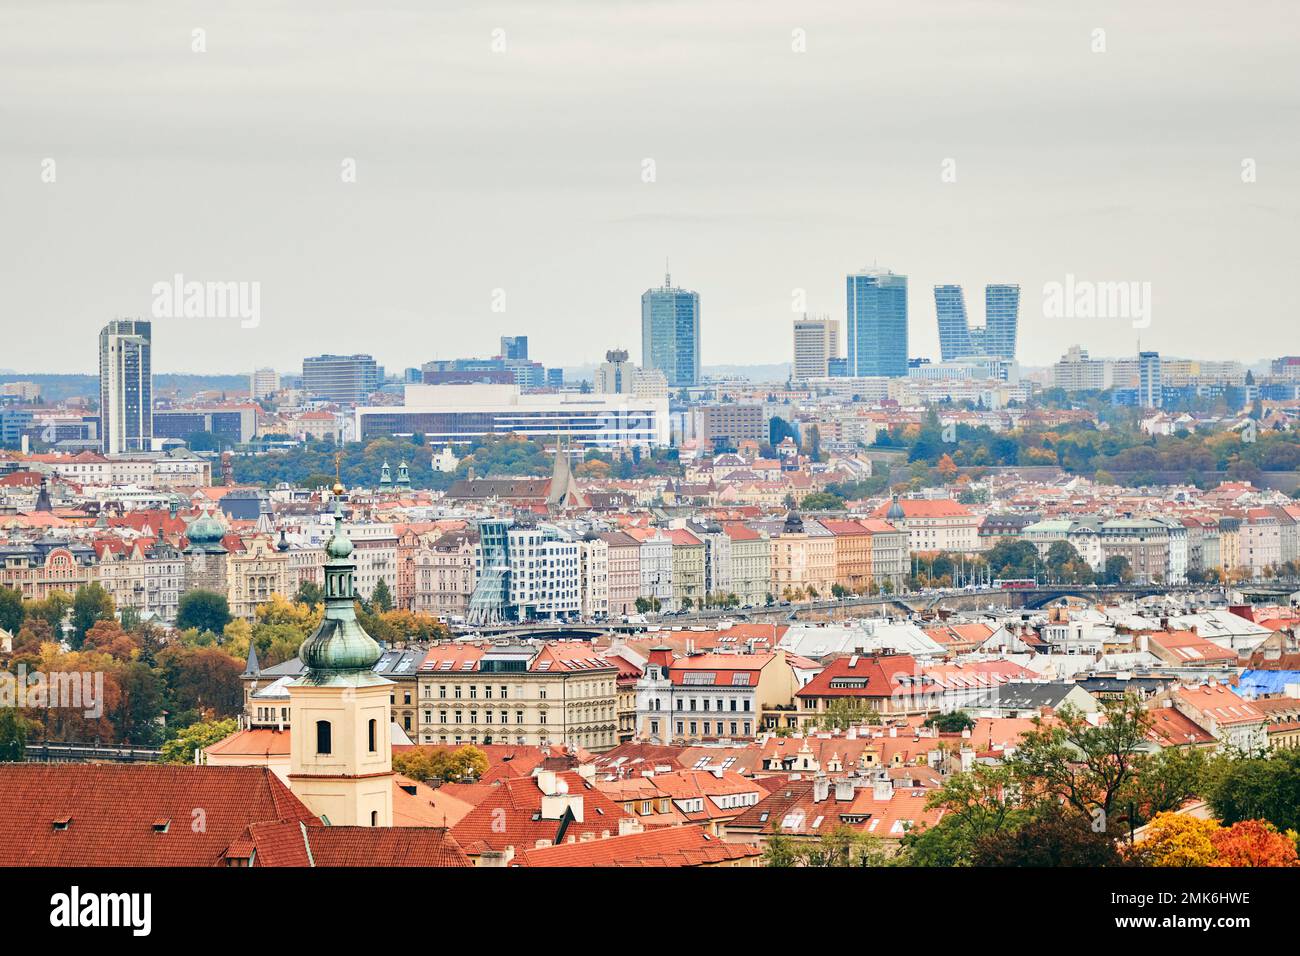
[(254, 573), (146, 577), (529, 694), (443, 575)]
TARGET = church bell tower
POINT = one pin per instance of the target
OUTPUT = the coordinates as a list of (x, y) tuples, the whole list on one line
[(341, 760)]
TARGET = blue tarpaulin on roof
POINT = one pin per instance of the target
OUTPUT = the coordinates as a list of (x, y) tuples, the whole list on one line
[(1253, 683)]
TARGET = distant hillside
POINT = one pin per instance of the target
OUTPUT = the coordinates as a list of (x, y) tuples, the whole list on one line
[(56, 388)]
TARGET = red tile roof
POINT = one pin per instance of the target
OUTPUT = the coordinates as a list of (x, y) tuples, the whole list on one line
[(1172, 728), (705, 669), (113, 813), (926, 508), (861, 677), (662, 846), (511, 816), (1221, 704), (289, 844)]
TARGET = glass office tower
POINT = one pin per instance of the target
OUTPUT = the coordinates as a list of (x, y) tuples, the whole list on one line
[(1001, 316), (997, 338), (670, 333), (954, 329), (877, 323)]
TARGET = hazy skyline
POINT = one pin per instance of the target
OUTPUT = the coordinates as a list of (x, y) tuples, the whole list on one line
[(522, 171)]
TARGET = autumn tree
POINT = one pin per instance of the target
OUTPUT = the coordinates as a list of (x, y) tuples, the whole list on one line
[(1053, 839), (107, 636), (465, 764), (51, 609), (1177, 839), (90, 605), (138, 715), (182, 748), (202, 682), (1087, 766), (977, 804), (1254, 843)]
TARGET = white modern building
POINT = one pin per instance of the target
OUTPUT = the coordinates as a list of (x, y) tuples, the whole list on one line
[(545, 579), (446, 414), (126, 386)]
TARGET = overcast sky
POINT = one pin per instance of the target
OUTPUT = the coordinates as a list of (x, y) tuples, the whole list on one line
[(522, 170)]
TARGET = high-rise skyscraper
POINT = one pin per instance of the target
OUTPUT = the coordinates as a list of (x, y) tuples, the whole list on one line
[(126, 386), (670, 333), (954, 328), (816, 343), (877, 323), (997, 339), (1150, 386), (1001, 318)]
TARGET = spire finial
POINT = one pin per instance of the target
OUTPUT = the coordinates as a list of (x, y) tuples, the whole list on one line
[(338, 488), (668, 276)]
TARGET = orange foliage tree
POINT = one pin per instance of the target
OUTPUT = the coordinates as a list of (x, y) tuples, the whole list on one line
[(1253, 843)]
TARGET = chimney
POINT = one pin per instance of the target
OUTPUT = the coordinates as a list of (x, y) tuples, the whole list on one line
[(662, 657), (821, 789), (629, 825), (882, 788), (546, 781), (843, 790), (587, 771), (496, 857)]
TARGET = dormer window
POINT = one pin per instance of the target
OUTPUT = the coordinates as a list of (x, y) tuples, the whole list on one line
[(61, 823)]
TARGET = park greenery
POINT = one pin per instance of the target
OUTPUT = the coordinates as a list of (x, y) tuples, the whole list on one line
[(159, 683), (312, 464), (1103, 450)]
